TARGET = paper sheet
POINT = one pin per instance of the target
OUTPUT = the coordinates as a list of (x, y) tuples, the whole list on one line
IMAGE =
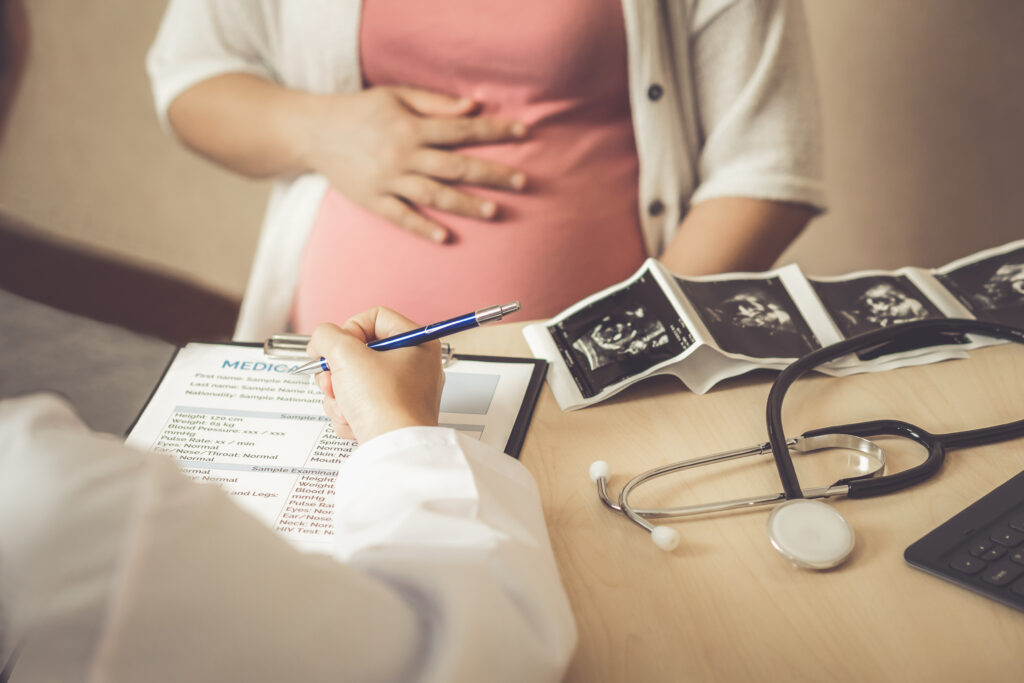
[(233, 417)]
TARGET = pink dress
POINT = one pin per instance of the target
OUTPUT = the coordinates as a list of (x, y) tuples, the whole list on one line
[(560, 67)]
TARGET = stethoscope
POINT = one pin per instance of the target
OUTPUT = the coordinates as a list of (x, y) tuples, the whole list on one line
[(806, 530)]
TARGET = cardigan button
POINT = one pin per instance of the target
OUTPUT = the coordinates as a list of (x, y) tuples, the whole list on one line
[(655, 92), (655, 208)]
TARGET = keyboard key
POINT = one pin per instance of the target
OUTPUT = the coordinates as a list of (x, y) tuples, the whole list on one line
[(967, 564), (1003, 574), (1008, 538), (995, 553), (1017, 522), (980, 546), (1018, 556)]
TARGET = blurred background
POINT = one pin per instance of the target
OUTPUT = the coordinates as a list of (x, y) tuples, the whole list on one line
[(102, 213)]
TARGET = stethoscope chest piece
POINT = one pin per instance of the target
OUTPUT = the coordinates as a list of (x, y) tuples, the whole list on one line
[(810, 533)]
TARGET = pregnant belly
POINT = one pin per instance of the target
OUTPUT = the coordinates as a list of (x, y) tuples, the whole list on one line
[(567, 236)]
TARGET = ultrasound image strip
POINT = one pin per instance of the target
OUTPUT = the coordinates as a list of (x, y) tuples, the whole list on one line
[(754, 317), (992, 289), (622, 335), (874, 302)]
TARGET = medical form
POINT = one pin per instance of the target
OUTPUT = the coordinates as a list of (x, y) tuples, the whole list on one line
[(232, 417)]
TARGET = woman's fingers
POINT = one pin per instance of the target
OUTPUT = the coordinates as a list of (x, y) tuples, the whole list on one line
[(404, 216), (449, 132), (391, 151), (452, 167), (420, 188), (428, 103), (424, 191)]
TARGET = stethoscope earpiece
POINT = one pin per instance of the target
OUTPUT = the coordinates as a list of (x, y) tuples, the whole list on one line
[(599, 469), (665, 537), (810, 534)]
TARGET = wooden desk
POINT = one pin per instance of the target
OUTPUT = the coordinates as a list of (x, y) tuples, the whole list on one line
[(724, 605)]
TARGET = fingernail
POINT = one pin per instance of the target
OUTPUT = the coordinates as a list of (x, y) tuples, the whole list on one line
[(518, 181), (488, 209), (519, 129), (439, 236), (463, 103)]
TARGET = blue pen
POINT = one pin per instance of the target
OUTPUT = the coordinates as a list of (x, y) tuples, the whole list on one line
[(423, 334)]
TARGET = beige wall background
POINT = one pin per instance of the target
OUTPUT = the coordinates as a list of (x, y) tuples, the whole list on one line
[(923, 103)]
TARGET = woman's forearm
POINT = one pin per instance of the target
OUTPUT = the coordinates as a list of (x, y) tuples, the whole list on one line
[(248, 124), (734, 234), (389, 149)]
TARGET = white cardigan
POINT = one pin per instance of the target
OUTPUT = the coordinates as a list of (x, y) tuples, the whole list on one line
[(722, 93)]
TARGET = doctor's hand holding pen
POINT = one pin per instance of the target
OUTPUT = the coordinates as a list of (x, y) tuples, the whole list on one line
[(368, 393)]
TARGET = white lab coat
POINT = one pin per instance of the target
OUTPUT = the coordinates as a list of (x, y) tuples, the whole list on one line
[(116, 567), (722, 95)]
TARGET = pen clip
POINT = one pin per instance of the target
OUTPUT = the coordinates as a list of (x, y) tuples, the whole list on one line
[(291, 346)]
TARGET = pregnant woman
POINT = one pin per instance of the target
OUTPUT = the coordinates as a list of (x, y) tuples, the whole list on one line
[(443, 155)]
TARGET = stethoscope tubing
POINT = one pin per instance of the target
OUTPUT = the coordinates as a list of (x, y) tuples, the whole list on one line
[(806, 443), (935, 444)]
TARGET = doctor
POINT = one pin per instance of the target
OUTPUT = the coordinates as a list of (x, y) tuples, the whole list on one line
[(116, 567)]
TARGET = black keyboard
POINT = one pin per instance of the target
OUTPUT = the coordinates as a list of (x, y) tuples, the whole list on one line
[(981, 547)]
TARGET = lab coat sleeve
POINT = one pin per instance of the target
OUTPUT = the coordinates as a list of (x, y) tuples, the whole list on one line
[(757, 102), (452, 524), (119, 568)]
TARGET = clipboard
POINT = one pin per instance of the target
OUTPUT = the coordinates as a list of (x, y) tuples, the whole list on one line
[(232, 416)]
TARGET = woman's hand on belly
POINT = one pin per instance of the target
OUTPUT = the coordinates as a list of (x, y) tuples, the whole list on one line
[(390, 149)]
